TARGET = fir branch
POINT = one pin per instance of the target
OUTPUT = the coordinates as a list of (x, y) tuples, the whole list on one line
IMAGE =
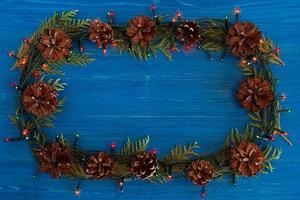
[(120, 170), (74, 59), (53, 70), (131, 148), (235, 138), (161, 176), (57, 84), (44, 122), (181, 153), (221, 171), (62, 140), (268, 50), (14, 120), (76, 171), (270, 154), (38, 138), (248, 70)]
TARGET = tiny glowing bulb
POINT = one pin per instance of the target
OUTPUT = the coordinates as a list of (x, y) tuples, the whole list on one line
[(77, 192), (112, 13), (121, 183), (278, 50), (154, 151), (11, 54), (23, 61), (254, 59), (272, 138), (81, 49), (237, 11), (45, 66), (187, 47), (243, 62), (174, 20), (113, 145), (104, 51), (25, 132), (178, 14), (36, 74), (153, 7), (283, 97)]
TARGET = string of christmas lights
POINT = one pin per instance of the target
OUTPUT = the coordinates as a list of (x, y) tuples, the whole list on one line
[(245, 153)]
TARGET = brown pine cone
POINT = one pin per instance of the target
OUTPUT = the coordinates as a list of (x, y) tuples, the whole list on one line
[(243, 39), (54, 44), (200, 172), (246, 159), (188, 32), (101, 33), (99, 166), (144, 165), (54, 159), (141, 30), (255, 94), (40, 99)]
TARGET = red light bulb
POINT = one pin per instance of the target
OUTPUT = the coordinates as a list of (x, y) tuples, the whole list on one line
[(154, 151), (112, 13), (36, 74), (237, 11), (77, 192), (153, 8), (278, 50), (25, 132), (113, 145), (285, 133), (11, 54), (45, 66), (187, 47)]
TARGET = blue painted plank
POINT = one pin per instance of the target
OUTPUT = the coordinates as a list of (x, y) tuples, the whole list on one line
[(174, 102)]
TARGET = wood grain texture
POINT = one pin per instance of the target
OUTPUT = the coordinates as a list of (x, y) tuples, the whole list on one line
[(174, 102)]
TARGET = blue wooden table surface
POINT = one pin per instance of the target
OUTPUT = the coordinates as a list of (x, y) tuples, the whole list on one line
[(174, 102)]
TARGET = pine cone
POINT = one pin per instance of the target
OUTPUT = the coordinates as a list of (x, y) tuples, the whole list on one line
[(99, 166), (54, 44), (144, 165), (101, 33), (255, 94), (200, 172), (188, 32), (39, 99), (141, 30), (243, 39), (247, 159), (54, 159)]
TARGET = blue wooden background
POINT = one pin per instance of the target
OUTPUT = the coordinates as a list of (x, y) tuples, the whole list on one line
[(174, 102)]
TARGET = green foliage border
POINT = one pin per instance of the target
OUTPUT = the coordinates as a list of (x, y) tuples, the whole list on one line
[(260, 129)]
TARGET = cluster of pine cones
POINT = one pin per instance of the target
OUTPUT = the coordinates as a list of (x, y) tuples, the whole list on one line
[(57, 160)]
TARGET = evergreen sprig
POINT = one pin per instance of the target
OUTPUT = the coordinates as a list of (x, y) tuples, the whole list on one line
[(235, 137), (181, 153), (270, 154), (138, 146)]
